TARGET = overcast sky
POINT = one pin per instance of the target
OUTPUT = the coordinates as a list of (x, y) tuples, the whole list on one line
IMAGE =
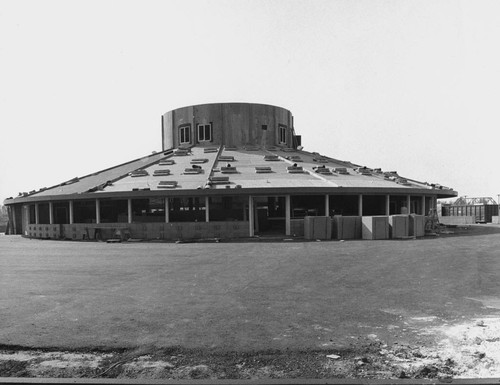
[(411, 86)]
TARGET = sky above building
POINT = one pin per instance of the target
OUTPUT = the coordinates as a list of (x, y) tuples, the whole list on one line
[(408, 86)]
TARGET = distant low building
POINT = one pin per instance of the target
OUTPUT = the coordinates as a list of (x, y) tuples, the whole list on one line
[(225, 170), (480, 209)]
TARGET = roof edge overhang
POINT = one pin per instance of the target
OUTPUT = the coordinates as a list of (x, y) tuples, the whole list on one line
[(227, 103), (237, 191)]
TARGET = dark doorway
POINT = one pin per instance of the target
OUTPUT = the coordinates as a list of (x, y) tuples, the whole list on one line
[(270, 215)]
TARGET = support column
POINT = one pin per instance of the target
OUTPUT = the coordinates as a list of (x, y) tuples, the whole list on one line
[(207, 209), (288, 226), (387, 205), (423, 204), (51, 213), (97, 211), (408, 204), (167, 210), (71, 213), (360, 205), (14, 221), (37, 216), (327, 205), (251, 216), (129, 210)]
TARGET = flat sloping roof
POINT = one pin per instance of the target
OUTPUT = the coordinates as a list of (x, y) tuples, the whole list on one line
[(218, 168)]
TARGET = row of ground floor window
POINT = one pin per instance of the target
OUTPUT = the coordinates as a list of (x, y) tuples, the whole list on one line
[(269, 213)]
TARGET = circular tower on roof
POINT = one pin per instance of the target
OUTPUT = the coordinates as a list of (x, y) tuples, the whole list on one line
[(229, 124)]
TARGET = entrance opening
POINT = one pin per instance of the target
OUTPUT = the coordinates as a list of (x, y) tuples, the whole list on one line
[(269, 215), (61, 212)]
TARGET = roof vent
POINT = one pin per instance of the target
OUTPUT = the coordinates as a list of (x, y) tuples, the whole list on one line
[(341, 170), (288, 149), (402, 181), (219, 180), (251, 148), (271, 158), (191, 171), (226, 158), (163, 172), (210, 149), (295, 170), (228, 170), (181, 152), (295, 158), (364, 171), (272, 148), (321, 159), (168, 184), (199, 160), (137, 173), (323, 171), (71, 181), (166, 162), (262, 169), (230, 148)]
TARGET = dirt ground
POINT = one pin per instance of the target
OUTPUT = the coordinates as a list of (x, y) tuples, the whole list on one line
[(426, 308), (469, 350)]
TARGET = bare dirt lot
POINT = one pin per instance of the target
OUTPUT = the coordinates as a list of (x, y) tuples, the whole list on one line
[(423, 308)]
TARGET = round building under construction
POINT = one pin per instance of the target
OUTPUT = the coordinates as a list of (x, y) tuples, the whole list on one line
[(228, 170)]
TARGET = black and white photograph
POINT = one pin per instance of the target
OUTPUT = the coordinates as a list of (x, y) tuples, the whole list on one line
[(249, 191)]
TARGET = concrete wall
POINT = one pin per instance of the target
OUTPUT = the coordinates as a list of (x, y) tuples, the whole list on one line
[(165, 231), (233, 124), (457, 220)]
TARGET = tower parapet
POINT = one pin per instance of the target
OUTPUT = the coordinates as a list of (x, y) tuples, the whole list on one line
[(229, 124)]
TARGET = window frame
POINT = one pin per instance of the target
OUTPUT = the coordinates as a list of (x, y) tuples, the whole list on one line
[(282, 134), (185, 130), (202, 132)]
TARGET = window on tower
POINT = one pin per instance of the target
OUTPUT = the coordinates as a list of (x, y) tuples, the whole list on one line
[(205, 132)]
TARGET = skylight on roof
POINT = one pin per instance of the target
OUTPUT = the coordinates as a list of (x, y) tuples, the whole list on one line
[(219, 180), (181, 152), (199, 161), (162, 172), (263, 169), (228, 170), (323, 171), (191, 171), (295, 169), (226, 158), (166, 162), (341, 170), (168, 184), (137, 173)]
